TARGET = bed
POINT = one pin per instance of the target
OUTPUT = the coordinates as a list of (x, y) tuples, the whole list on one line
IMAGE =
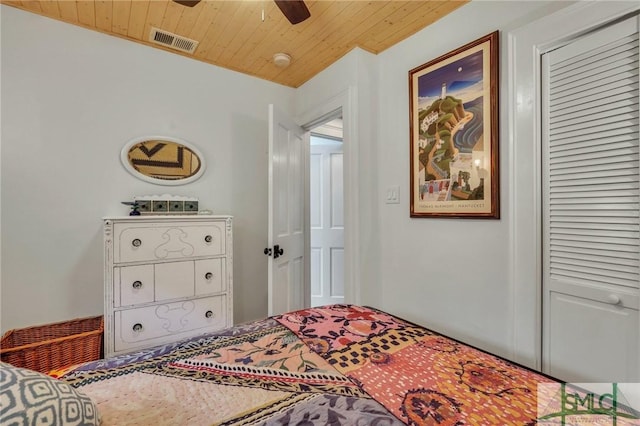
[(331, 365)]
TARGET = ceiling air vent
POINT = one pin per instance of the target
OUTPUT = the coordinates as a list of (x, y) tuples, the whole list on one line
[(172, 41)]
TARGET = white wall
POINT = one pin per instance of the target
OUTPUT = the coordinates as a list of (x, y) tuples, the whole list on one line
[(452, 275), (71, 98)]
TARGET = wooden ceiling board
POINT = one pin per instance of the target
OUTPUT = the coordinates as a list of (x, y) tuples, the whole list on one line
[(361, 24), (138, 19), (244, 56), (121, 14), (104, 15), (50, 8), (155, 15), (300, 44), (281, 34), (364, 30), (342, 38), (31, 6), (207, 14), (216, 29), (334, 42), (68, 11), (86, 12), (247, 12), (274, 41), (187, 20), (241, 36), (378, 37), (173, 15), (413, 23), (303, 53), (233, 35)]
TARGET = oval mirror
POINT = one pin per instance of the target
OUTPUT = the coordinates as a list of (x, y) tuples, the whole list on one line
[(162, 160)]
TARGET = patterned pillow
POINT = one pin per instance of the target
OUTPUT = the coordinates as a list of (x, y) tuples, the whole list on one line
[(29, 398)]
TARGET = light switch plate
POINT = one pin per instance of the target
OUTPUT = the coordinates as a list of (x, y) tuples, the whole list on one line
[(393, 195)]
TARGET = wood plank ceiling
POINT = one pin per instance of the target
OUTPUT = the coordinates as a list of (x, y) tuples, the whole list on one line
[(233, 35)]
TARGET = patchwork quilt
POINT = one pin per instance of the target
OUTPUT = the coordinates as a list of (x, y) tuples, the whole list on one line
[(332, 365)]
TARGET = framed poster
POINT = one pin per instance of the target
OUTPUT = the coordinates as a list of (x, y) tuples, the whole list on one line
[(453, 104)]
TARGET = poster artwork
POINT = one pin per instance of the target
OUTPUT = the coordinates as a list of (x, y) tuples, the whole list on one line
[(453, 163)]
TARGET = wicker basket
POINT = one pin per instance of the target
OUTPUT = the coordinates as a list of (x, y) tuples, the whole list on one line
[(53, 346)]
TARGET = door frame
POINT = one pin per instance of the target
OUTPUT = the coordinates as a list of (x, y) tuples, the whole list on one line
[(525, 46), (344, 104)]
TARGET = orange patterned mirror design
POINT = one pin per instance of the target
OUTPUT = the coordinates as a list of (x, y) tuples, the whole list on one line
[(162, 160)]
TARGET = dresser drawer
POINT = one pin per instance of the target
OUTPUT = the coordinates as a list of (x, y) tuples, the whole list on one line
[(133, 285), (139, 284), (173, 280), (139, 242), (150, 325), (209, 276)]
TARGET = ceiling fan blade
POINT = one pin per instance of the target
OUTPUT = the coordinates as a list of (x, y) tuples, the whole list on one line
[(189, 3), (295, 10)]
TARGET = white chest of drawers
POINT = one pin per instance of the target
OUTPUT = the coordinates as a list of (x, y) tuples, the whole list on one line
[(166, 278)]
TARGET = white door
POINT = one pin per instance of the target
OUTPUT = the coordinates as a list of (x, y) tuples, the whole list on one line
[(286, 263), (327, 222), (591, 240)]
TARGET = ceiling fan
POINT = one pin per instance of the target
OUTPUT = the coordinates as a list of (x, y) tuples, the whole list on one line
[(294, 10)]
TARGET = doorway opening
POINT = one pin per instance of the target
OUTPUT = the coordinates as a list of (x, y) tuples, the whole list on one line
[(289, 230), (326, 214)]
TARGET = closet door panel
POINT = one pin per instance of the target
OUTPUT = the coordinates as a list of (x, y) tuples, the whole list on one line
[(591, 202), (591, 336)]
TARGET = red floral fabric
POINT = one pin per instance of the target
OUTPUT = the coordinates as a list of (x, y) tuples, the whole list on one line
[(423, 378)]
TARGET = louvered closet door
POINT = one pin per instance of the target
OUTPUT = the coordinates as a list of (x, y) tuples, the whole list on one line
[(591, 240)]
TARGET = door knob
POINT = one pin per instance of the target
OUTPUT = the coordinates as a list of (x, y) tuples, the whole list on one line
[(277, 251), (613, 299)]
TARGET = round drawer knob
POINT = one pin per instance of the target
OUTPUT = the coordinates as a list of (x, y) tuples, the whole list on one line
[(208, 238), (208, 275), (136, 243), (137, 285), (137, 327), (209, 314)]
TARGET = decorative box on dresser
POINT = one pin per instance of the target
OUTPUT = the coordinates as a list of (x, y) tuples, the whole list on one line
[(166, 278)]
